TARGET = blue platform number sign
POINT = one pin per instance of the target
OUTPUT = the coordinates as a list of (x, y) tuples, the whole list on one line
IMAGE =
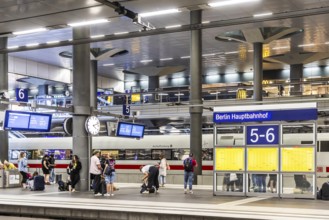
[(263, 135), (21, 95), (126, 110)]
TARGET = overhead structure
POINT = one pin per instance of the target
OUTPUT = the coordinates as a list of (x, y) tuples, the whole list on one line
[(258, 37)]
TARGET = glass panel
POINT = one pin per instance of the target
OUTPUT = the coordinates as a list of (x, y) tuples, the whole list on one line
[(263, 159), (297, 184), (229, 182), (297, 159), (229, 159), (298, 134), (156, 154), (230, 136), (261, 183)]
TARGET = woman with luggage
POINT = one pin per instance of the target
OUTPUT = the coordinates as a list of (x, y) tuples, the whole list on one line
[(75, 167), (22, 167)]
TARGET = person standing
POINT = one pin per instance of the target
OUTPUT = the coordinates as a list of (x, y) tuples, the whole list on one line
[(95, 170), (109, 173), (75, 167), (22, 167), (52, 176), (163, 167), (189, 164), (45, 168)]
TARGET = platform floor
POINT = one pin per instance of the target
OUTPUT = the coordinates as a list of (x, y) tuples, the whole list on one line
[(171, 200)]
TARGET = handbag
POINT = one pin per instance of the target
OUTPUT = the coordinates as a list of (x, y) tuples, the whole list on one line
[(108, 171), (233, 177)]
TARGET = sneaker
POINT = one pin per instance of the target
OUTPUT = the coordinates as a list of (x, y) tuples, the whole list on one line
[(112, 194), (73, 190), (191, 192), (98, 194), (185, 191), (106, 194)]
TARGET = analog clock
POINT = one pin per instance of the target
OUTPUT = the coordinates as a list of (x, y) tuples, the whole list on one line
[(93, 125), (67, 125)]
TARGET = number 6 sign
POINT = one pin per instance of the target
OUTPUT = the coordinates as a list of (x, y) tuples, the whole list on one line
[(22, 95)]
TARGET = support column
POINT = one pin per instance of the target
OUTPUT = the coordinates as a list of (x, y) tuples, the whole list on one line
[(4, 148), (93, 83), (81, 103), (196, 91), (258, 71), (296, 76), (153, 86)]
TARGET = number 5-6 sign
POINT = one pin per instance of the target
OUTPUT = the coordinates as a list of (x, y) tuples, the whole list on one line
[(263, 135), (22, 95)]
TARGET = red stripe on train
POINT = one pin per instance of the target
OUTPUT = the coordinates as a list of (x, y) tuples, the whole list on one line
[(122, 166)]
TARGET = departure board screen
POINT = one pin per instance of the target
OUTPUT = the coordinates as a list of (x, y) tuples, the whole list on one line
[(130, 130), (26, 121)]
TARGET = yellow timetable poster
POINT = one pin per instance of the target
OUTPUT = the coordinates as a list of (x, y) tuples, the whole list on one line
[(229, 159), (263, 159), (298, 159), (135, 97)]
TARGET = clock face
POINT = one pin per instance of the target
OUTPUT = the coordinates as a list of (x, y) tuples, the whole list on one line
[(93, 125)]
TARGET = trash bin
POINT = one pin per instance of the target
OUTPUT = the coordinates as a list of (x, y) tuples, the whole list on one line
[(58, 177)]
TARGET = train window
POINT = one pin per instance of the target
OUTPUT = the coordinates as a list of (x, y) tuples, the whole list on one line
[(230, 136), (324, 146), (166, 152), (298, 134), (207, 154), (138, 154), (180, 154), (121, 155)]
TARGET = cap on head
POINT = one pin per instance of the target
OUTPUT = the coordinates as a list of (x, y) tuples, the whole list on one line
[(96, 152), (191, 155)]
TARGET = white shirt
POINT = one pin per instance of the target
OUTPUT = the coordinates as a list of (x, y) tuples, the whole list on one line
[(94, 161), (146, 168)]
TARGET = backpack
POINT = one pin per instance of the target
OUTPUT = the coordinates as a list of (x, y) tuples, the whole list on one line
[(61, 185), (110, 167), (188, 164)]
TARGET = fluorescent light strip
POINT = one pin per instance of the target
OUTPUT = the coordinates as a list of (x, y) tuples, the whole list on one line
[(250, 51), (99, 21), (119, 33), (185, 57), (208, 54), (97, 36), (306, 45), (164, 59), (179, 94), (278, 48), (53, 42), (32, 44), (230, 2), (146, 61), (12, 47), (263, 14), (205, 22), (162, 12), (232, 52), (173, 26), (30, 31), (108, 64)]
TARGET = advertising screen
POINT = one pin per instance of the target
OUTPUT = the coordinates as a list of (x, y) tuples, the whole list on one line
[(130, 130), (26, 121)]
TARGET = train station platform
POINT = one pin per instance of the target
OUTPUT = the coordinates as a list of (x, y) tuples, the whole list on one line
[(169, 203)]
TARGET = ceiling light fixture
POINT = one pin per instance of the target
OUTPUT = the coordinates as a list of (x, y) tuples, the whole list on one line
[(146, 61), (108, 64), (232, 52), (162, 12), (185, 57), (119, 33), (205, 22), (278, 48), (52, 42), (12, 47), (230, 2), (263, 14), (99, 21), (173, 26), (179, 94), (306, 45), (30, 31), (32, 44), (165, 59), (97, 36), (208, 54)]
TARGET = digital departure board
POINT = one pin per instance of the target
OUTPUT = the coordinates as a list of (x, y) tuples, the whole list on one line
[(130, 130), (26, 121)]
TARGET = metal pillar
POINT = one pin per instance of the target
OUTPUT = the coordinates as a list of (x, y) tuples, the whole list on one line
[(4, 148), (93, 83), (196, 91), (258, 71), (153, 86), (296, 75), (81, 103)]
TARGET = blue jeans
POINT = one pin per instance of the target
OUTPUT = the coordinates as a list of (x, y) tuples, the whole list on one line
[(52, 176), (188, 177), (162, 179)]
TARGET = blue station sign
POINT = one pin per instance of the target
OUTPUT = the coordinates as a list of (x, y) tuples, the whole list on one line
[(262, 135)]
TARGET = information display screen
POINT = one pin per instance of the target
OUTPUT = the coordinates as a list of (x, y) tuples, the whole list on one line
[(130, 130), (295, 159), (263, 159), (229, 159), (27, 121)]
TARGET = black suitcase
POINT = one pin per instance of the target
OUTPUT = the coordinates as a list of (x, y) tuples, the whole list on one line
[(39, 183)]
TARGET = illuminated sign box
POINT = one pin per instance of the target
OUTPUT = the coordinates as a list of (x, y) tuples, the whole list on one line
[(130, 130), (26, 121)]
